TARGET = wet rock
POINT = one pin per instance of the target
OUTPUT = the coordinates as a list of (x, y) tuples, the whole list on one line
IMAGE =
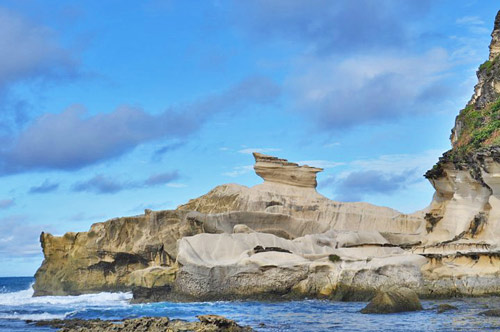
[(491, 313), (392, 301), (207, 323), (445, 307)]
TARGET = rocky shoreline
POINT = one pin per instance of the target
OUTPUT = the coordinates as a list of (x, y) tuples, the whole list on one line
[(206, 323), (282, 240)]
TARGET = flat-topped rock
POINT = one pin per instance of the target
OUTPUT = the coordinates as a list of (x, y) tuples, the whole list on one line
[(277, 170)]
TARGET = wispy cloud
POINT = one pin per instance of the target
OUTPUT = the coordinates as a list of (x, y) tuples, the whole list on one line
[(375, 88), (30, 52), (45, 187), (101, 184), (474, 23), (327, 27), (73, 139), (358, 184), (384, 175), (161, 151), (6, 203), (18, 237), (162, 178), (239, 170), (331, 145), (469, 20)]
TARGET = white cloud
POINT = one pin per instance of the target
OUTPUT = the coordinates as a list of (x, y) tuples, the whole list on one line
[(331, 145), (398, 162), (374, 87), (469, 20), (6, 203), (239, 170)]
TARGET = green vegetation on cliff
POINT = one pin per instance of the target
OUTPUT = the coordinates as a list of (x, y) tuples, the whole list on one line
[(478, 125), (480, 128)]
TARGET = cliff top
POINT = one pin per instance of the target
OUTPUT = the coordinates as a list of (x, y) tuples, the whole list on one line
[(478, 124)]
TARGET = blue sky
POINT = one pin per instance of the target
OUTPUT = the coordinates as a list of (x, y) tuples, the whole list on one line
[(111, 107)]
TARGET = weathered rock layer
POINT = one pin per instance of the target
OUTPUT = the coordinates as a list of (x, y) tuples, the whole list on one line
[(281, 239)]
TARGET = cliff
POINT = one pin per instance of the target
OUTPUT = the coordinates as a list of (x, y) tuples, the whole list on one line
[(465, 206)]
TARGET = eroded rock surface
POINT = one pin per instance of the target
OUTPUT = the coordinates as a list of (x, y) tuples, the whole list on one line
[(282, 239), (161, 250), (463, 220), (207, 323), (276, 170)]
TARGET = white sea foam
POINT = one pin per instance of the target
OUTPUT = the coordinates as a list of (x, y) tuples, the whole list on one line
[(25, 298), (41, 316)]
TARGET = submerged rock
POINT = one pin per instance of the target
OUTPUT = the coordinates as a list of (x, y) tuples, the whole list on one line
[(207, 323), (392, 301), (491, 313), (445, 307)]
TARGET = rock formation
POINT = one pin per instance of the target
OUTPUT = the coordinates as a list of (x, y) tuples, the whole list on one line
[(282, 239), (392, 301), (462, 222), (206, 249), (207, 323), (276, 170)]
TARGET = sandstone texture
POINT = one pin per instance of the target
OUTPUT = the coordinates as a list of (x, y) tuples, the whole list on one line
[(281, 239), (276, 170), (463, 220)]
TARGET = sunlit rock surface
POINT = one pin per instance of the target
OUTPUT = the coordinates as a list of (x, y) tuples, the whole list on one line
[(281, 239), (206, 248)]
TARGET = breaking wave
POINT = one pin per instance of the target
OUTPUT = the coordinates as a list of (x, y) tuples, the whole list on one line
[(25, 297)]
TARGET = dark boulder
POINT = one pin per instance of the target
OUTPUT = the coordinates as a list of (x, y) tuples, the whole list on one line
[(394, 300)]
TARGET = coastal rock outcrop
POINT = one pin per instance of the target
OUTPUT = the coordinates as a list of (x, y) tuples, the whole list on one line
[(206, 323), (463, 220), (205, 249), (282, 239)]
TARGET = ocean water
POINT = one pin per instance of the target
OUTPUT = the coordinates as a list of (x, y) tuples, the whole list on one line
[(18, 305)]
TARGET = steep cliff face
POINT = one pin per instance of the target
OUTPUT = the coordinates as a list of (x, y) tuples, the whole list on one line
[(103, 258), (465, 207)]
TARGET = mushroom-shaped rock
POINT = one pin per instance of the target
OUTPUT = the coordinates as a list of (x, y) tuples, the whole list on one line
[(276, 170), (392, 301)]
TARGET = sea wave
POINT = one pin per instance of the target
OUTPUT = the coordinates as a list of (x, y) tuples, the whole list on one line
[(25, 297), (34, 317)]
